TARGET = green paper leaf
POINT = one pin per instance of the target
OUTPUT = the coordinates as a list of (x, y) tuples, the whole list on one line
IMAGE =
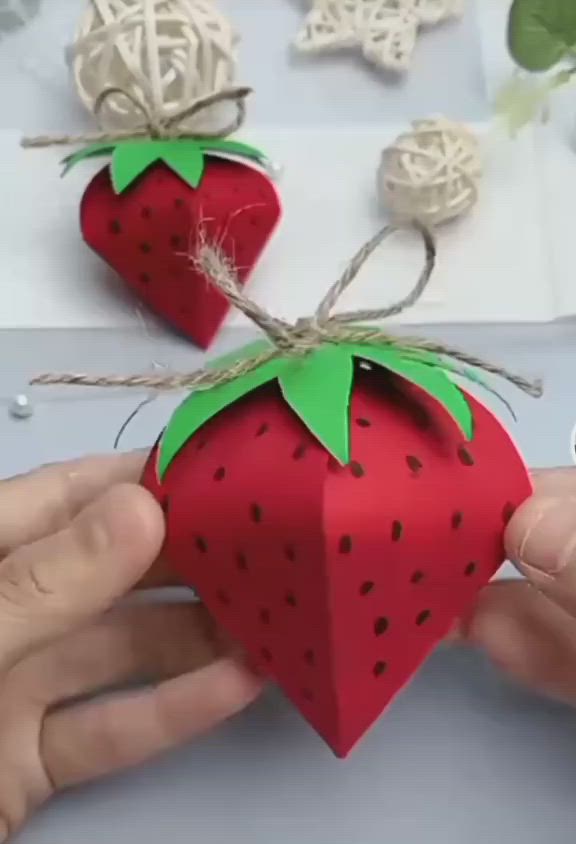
[(132, 158), (465, 372), (541, 33), (103, 148), (221, 146), (202, 405), (317, 388), (431, 379)]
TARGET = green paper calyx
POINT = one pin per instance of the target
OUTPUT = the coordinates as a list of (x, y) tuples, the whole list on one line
[(318, 387), (185, 156)]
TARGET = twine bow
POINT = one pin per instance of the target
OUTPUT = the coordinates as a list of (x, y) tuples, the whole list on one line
[(306, 334), (155, 124)]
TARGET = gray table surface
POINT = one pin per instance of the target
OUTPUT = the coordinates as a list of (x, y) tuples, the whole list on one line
[(462, 754)]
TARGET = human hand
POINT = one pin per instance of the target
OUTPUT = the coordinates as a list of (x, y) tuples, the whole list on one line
[(529, 627), (74, 539)]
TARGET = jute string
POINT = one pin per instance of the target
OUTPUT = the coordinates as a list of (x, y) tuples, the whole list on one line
[(155, 125), (306, 334)]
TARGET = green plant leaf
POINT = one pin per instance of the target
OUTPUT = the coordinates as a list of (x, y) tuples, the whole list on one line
[(317, 388), (523, 99), (103, 148), (541, 33), (132, 158), (433, 380), (221, 146), (202, 405)]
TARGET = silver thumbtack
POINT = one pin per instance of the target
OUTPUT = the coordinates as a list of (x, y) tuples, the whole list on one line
[(21, 407)]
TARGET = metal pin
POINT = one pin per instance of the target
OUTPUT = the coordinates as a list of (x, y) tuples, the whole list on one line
[(21, 407)]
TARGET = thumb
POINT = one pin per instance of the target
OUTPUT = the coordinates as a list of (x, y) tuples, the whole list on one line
[(57, 583), (541, 542)]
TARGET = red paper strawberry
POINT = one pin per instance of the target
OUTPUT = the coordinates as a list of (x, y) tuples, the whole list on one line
[(150, 211), (337, 512)]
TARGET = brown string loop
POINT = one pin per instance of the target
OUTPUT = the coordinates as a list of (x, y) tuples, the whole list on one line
[(307, 333), (155, 125)]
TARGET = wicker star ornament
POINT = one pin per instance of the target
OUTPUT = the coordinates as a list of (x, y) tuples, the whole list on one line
[(385, 31)]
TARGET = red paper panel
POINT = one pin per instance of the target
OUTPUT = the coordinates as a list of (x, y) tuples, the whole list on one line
[(151, 235)]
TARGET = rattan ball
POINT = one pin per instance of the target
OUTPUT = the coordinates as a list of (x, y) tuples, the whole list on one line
[(431, 174), (164, 53)]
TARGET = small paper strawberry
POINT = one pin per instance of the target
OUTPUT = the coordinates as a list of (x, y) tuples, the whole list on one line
[(165, 195), (149, 212), (335, 496)]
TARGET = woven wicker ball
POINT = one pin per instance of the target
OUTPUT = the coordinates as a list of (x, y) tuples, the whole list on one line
[(431, 174), (166, 53)]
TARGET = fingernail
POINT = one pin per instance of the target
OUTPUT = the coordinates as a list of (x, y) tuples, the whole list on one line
[(548, 539)]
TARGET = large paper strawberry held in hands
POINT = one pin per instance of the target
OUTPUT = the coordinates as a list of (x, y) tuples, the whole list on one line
[(336, 498), (162, 195)]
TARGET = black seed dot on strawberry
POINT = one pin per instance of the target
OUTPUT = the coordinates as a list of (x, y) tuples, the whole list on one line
[(290, 599), (179, 203), (307, 695), (241, 561), (366, 587), (223, 597), (465, 457), (357, 469), (423, 617), (457, 519), (115, 227), (201, 544), (470, 569), (379, 669), (345, 544), (176, 242), (310, 657), (266, 655), (417, 577), (414, 464), (290, 553), (397, 531), (145, 248), (363, 423), (507, 512), (299, 452), (201, 445), (264, 616), (256, 513), (220, 473), (380, 626), (144, 278), (146, 212), (263, 429)]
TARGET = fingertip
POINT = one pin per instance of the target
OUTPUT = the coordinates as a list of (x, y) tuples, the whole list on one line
[(238, 684), (518, 526), (131, 523)]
